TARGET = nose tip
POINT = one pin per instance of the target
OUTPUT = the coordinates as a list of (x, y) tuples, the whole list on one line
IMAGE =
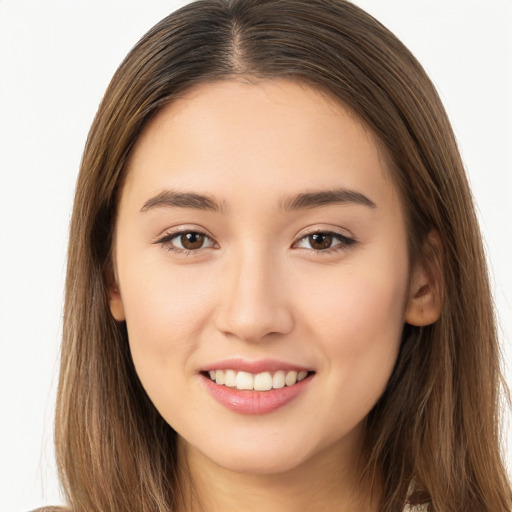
[(253, 304), (255, 322)]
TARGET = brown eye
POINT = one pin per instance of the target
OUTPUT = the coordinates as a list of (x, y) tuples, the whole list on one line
[(192, 240), (186, 241), (325, 242), (320, 241)]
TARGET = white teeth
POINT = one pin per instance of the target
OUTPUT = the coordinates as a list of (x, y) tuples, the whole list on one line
[(244, 380), (230, 378), (278, 380), (264, 381), (219, 376), (291, 378)]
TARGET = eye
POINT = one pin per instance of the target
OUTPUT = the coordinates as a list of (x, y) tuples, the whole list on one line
[(324, 241), (186, 241)]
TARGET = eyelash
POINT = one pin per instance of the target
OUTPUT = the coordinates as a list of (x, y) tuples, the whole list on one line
[(165, 241), (344, 242)]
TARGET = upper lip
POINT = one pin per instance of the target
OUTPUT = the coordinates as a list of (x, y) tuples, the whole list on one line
[(256, 366)]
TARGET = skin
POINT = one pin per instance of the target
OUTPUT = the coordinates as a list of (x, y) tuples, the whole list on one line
[(258, 289)]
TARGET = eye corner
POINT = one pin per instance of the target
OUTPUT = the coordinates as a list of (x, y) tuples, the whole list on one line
[(327, 236), (200, 237)]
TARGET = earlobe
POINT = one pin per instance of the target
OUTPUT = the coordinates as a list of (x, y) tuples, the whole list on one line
[(116, 304), (114, 297), (424, 307), (425, 291)]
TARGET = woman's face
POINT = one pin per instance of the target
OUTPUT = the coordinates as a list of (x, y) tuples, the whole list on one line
[(260, 237)]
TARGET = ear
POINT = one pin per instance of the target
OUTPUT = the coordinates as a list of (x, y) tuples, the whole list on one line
[(114, 296), (426, 286)]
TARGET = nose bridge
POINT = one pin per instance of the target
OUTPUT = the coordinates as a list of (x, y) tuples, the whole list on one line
[(253, 302)]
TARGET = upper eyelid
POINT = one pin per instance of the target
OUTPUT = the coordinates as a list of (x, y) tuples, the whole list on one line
[(174, 232), (331, 231), (344, 239), (165, 239)]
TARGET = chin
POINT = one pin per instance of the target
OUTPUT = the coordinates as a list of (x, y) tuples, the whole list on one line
[(258, 463), (272, 454)]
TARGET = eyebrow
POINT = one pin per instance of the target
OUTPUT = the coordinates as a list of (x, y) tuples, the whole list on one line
[(308, 200), (171, 198), (302, 201)]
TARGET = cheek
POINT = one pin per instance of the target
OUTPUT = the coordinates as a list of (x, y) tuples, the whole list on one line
[(164, 312), (358, 327), (364, 325)]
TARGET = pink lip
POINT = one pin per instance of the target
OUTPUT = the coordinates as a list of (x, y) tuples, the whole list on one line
[(262, 365), (254, 402)]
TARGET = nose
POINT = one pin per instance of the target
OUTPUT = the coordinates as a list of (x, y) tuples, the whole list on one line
[(254, 302)]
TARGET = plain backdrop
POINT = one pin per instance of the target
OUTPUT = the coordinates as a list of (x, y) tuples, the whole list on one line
[(56, 59)]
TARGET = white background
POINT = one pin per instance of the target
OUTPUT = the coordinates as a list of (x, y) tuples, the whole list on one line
[(56, 58)]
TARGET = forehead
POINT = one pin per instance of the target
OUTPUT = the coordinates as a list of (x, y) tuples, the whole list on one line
[(220, 138)]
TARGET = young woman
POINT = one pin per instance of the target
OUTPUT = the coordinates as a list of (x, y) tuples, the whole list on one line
[(277, 297)]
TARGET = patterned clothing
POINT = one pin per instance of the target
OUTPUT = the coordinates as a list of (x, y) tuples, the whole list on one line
[(416, 508)]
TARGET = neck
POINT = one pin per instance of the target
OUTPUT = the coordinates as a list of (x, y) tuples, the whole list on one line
[(331, 481)]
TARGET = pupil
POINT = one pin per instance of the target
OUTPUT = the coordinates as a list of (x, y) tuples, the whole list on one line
[(192, 240), (320, 241)]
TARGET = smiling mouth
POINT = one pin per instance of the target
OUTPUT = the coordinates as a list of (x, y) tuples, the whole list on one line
[(264, 381)]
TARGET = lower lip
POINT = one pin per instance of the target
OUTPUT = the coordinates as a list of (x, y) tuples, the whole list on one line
[(255, 402)]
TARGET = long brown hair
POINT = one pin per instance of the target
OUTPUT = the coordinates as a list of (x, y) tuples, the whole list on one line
[(436, 428)]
